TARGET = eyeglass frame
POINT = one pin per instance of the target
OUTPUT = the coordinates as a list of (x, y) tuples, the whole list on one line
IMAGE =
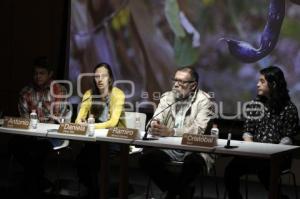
[(182, 82)]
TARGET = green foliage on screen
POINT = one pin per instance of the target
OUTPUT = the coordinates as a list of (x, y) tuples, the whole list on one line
[(185, 54), (172, 15)]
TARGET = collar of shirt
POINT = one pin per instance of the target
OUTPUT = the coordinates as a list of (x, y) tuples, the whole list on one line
[(103, 117), (43, 88), (179, 111)]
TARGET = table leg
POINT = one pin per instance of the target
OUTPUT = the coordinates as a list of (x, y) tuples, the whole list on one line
[(104, 170), (275, 164), (123, 186)]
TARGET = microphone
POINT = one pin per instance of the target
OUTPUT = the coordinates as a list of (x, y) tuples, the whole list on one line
[(149, 123), (228, 141), (228, 146)]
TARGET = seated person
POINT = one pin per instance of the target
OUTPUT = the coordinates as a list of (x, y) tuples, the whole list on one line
[(31, 151), (190, 114), (275, 123), (106, 103)]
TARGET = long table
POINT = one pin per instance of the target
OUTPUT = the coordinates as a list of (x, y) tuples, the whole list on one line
[(45, 130), (274, 152)]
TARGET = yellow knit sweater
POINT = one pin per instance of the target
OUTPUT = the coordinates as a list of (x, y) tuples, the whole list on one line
[(116, 106)]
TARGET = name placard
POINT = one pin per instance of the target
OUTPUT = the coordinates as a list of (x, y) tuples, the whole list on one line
[(124, 133), (199, 140), (72, 128), (16, 122)]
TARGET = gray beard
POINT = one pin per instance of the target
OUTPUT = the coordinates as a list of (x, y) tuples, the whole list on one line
[(177, 96)]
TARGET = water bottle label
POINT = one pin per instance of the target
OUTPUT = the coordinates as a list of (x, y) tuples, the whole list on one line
[(91, 129), (33, 123), (215, 132)]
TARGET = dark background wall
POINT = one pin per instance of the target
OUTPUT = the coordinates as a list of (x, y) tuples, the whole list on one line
[(29, 29)]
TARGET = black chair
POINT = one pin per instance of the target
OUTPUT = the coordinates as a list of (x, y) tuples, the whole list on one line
[(287, 171), (283, 173), (174, 166), (64, 187), (292, 174)]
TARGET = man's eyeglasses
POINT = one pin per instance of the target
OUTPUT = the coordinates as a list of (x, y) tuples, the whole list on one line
[(181, 82)]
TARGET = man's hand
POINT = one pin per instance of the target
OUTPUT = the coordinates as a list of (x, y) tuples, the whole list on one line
[(53, 118), (247, 137), (160, 129)]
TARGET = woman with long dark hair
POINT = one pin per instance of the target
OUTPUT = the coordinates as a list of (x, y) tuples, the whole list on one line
[(106, 104), (278, 95), (272, 118), (104, 101)]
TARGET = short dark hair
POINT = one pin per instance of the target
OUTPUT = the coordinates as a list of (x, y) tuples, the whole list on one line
[(190, 70), (42, 62), (279, 94)]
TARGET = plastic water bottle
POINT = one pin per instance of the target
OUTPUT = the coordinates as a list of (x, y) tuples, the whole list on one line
[(215, 131), (138, 126), (33, 119), (61, 120), (91, 125), (138, 123)]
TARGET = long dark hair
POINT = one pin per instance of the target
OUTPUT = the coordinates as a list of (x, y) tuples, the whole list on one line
[(97, 102), (279, 94)]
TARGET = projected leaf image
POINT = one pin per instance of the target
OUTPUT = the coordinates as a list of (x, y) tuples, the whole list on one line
[(145, 41), (186, 52)]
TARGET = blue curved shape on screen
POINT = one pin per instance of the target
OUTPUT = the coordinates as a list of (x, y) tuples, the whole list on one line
[(245, 52)]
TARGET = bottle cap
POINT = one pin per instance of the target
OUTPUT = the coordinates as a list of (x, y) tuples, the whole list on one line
[(214, 126)]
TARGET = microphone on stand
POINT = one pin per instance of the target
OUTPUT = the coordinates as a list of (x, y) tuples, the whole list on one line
[(145, 137), (228, 141)]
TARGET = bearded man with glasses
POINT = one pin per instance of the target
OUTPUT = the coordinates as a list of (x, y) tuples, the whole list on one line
[(190, 112)]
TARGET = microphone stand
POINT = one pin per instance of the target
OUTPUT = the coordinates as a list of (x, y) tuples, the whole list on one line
[(149, 123), (228, 146)]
